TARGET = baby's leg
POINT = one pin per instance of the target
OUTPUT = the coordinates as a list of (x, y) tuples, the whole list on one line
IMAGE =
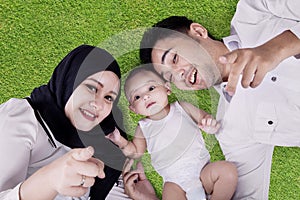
[(219, 179), (172, 191)]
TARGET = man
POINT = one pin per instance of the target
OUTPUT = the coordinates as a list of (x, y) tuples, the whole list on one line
[(264, 47)]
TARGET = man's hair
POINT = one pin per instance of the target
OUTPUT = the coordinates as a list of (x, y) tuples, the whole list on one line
[(161, 30)]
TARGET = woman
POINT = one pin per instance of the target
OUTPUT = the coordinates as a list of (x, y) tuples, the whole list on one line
[(43, 136)]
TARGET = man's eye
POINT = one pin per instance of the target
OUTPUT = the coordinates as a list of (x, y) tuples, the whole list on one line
[(92, 88), (175, 58), (109, 98), (151, 88)]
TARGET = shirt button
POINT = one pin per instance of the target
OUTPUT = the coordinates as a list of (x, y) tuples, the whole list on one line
[(270, 122), (274, 78)]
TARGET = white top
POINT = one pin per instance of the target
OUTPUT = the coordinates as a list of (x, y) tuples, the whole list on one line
[(174, 137), (24, 147), (270, 113)]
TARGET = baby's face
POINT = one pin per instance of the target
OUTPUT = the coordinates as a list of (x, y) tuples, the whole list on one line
[(147, 93)]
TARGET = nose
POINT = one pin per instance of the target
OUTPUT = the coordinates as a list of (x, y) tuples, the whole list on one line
[(97, 104), (179, 74), (146, 97)]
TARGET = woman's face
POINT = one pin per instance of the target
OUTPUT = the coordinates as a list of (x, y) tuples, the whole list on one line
[(92, 100)]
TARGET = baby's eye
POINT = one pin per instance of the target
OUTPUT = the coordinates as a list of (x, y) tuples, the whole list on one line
[(151, 88), (136, 98), (92, 88)]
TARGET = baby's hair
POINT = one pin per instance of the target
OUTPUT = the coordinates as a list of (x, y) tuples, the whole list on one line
[(134, 71)]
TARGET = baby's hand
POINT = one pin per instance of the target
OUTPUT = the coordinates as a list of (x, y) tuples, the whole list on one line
[(114, 136), (209, 125)]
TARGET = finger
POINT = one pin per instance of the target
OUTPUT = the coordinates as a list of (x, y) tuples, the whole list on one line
[(86, 180), (259, 76), (142, 175), (214, 122), (127, 166), (100, 165), (131, 180), (75, 191), (208, 122), (128, 175), (203, 122), (248, 73), (82, 154), (218, 126), (130, 184), (235, 65)]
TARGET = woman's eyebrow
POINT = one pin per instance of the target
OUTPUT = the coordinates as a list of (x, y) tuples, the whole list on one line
[(101, 85)]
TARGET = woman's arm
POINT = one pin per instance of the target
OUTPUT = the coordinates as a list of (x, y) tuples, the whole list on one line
[(70, 175)]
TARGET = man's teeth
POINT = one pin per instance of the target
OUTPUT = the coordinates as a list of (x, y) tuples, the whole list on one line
[(193, 77)]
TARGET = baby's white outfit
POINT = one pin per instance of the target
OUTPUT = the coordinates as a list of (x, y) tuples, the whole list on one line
[(177, 150)]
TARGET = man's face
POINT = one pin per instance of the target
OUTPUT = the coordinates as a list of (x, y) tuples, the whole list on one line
[(182, 61)]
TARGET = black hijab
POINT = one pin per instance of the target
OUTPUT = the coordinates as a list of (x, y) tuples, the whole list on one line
[(50, 100)]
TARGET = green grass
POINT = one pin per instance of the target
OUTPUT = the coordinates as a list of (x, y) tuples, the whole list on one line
[(35, 35)]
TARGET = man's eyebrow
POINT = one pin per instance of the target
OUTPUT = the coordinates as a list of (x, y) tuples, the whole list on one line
[(101, 85), (164, 56)]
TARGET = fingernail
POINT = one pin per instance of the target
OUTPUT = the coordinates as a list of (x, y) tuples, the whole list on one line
[(222, 59), (90, 150)]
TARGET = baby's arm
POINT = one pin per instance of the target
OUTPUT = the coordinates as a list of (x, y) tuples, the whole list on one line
[(132, 149), (204, 120)]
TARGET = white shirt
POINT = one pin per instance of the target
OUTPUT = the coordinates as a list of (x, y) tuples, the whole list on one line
[(270, 113), (24, 147)]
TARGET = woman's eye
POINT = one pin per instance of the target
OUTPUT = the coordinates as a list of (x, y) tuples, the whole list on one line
[(151, 88), (109, 98), (92, 88)]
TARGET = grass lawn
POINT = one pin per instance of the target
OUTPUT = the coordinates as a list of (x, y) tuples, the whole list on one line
[(36, 35)]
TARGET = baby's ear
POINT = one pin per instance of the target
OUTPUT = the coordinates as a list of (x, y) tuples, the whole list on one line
[(131, 108), (168, 86)]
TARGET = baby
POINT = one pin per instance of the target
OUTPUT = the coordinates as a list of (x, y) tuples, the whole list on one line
[(171, 135)]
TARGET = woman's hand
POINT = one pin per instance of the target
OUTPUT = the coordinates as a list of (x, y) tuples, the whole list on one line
[(137, 186), (70, 175)]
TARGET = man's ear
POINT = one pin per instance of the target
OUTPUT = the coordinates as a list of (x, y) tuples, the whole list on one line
[(168, 86), (197, 30)]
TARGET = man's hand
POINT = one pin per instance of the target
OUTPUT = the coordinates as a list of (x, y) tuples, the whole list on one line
[(254, 63)]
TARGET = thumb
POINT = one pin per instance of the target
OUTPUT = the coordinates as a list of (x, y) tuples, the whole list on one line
[(140, 168), (83, 154), (228, 58)]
